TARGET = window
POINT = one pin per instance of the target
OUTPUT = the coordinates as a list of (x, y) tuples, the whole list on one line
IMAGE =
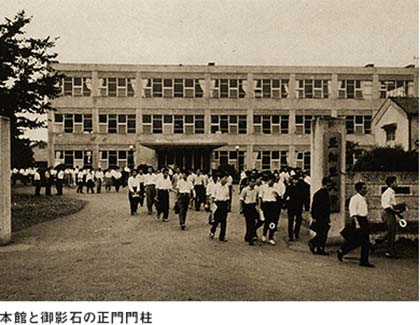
[(170, 88), (228, 88), (271, 160), (312, 88), (271, 124), (223, 158), (353, 89), (233, 124), (77, 158), (396, 88), (116, 87), (113, 158), (76, 86), (87, 123), (303, 124), (267, 88), (359, 124), (173, 124), (303, 160), (390, 132), (117, 123)]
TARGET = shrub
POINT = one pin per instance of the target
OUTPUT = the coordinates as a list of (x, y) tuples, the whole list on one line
[(387, 159)]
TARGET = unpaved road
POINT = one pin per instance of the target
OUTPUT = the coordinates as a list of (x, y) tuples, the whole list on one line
[(103, 253)]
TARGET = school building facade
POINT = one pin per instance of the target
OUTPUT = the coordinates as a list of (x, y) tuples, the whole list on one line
[(203, 116)]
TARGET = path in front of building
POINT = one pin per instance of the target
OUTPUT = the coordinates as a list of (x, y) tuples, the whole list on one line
[(103, 253)]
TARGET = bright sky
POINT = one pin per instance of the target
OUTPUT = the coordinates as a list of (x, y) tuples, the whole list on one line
[(271, 32)]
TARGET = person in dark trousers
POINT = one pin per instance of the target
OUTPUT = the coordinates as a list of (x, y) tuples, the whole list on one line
[(221, 199), (140, 179), (270, 202), (184, 189), (37, 182), (163, 187), (150, 188), (133, 189), (320, 212), (296, 198), (248, 207), (59, 181), (200, 190), (358, 209), (48, 181)]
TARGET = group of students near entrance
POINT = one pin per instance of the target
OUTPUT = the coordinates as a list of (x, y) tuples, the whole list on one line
[(262, 197)]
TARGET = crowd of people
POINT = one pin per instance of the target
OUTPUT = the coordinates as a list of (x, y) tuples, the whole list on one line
[(262, 197)]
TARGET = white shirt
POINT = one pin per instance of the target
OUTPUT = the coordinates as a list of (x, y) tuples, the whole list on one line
[(210, 188), (191, 177), (150, 179), (199, 180), (184, 186), (221, 192), (358, 206), (80, 176), (229, 181), (37, 176), (164, 183), (117, 175), (108, 174), (133, 182), (60, 175), (388, 198), (279, 186), (140, 178), (268, 194), (89, 176), (99, 174)]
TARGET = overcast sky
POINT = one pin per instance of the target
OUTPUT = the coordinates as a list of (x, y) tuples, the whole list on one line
[(269, 32)]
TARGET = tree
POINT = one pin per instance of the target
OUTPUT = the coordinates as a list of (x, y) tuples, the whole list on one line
[(388, 159), (27, 82)]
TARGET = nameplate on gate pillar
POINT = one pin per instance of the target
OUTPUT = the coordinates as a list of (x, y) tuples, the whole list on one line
[(332, 166)]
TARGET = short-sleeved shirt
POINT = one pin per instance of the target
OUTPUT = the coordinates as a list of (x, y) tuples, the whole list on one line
[(269, 194), (248, 195), (184, 186), (221, 192), (388, 198), (358, 206)]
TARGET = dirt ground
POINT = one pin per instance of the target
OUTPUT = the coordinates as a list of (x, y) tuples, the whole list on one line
[(103, 253)]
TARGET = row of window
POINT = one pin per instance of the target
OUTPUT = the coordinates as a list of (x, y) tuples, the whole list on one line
[(194, 124), (234, 88), (73, 158)]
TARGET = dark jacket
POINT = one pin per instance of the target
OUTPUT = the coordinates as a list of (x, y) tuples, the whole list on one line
[(320, 210), (297, 196)]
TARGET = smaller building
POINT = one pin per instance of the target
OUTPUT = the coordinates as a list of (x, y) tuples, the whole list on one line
[(40, 150), (396, 123)]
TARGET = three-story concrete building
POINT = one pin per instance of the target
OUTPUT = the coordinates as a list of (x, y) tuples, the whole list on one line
[(205, 116)]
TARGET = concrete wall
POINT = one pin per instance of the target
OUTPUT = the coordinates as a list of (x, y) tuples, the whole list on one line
[(249, 105), (5, 187), (375, 181)]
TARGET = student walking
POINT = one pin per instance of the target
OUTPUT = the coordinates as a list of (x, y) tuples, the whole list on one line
[(133, 189), (163, 187), (184, 189), (359, 232), (221, 199)]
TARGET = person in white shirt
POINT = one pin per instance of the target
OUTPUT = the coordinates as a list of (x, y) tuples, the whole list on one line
[(229, 183), (163, 187), (90, 181), (150, 188), (388, 204), (184, 189), (37, 182), (108, 180), (221, 199), (80, 181), (358, 209), (59, 181), (270, 205), (133, 192), (140, 179), (191, 178), (200, 190), (117, 176), (209, 194), (99, 177)]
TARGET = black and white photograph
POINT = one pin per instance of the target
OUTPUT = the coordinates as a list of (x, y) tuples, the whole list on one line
[(207, 151)]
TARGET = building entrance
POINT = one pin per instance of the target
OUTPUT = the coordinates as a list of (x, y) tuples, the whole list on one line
[(185, 158)]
